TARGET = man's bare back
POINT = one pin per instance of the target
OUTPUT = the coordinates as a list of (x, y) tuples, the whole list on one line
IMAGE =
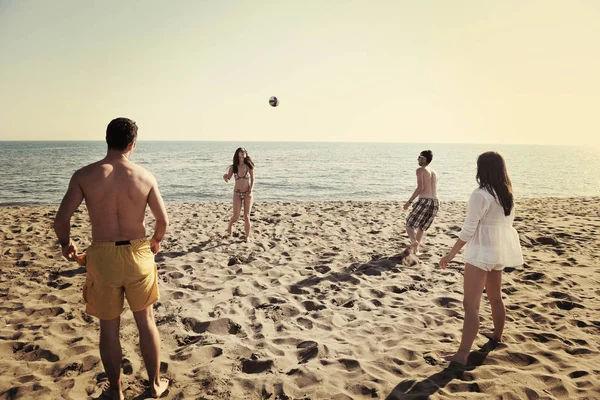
[(116, 192), (428, 181)]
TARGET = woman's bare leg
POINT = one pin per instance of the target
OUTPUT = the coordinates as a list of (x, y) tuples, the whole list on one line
[(247, 209), (475, 279), (493, 289), (237, 208)]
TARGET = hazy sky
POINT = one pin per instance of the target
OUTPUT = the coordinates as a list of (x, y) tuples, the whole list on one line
[(400, 71)]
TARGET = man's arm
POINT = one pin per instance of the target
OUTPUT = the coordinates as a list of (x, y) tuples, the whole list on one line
[(62, 222), (157, 207), (418, 190)]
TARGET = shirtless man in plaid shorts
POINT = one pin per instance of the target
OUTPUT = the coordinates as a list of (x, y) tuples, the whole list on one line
[(425, 209)]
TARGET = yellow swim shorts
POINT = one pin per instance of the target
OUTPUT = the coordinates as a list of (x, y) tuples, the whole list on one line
[(115, 269)]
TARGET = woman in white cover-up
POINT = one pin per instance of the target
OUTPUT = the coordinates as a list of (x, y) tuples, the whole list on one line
[(491, 244)]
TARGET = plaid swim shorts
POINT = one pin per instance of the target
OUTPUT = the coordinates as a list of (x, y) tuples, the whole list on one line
[(422, 214)]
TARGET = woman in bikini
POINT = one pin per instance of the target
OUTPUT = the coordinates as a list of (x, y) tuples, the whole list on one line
[(242, 170)]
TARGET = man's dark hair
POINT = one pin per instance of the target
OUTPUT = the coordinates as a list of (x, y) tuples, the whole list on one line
[(120, 133), (428, 155)]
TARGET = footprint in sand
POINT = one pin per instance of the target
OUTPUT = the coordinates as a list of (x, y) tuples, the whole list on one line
[(221, 326), (45, 312), (567, 305), (306, 351), (32, 352), (175, 275), (349, 365), (305, 323), (533, 276), (578, 374), (312, 306), (199, 354), (255, 366), (521, 359)]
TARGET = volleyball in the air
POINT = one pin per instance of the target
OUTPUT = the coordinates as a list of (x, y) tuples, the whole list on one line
[(273, 101)]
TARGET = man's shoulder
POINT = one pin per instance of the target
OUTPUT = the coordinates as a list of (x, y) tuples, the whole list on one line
[(425, 170), (143, 172), (83, 171), (101, 164), (137, 167), (140, 171)]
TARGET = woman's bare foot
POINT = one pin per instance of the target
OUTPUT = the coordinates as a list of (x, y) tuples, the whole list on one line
[(113, 394), (158, 390), (458, 357), (493, 337)]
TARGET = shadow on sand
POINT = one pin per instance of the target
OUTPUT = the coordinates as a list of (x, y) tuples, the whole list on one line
[(409, 389), (375, 267), (69, 273), (147, 395)]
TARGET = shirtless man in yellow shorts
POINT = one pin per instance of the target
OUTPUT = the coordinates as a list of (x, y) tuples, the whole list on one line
[(120, 260)]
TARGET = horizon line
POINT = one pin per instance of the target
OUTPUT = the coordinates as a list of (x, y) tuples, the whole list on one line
[(307, 141)]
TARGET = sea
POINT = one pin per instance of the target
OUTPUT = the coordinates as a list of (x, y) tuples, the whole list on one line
[(37, 173)]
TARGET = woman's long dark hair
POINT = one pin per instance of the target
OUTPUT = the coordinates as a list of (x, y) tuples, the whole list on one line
[(248, 161), (493, 177)]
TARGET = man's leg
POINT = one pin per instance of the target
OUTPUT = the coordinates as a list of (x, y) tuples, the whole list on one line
[(419, 240), (150, 347), (110, 352), (474, 282), (426, 224), (411, 234), (412, 223)]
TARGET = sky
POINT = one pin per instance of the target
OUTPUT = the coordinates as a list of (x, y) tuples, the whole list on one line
[(478, 71)]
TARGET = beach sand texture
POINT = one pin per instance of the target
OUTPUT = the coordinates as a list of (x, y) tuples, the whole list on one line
[(322, 304)]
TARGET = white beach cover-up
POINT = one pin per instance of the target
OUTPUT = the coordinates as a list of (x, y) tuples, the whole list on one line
[(492, 242)]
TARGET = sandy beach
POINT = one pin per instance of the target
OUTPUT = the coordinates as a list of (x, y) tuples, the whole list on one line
[(323, 304)]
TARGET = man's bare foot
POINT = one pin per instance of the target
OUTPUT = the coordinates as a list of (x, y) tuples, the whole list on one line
[(158, 390), (414, 246), (458, 357), (113, 394), (492, 336)]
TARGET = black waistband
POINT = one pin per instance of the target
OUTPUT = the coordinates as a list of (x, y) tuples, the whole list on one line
[(123, 243)]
